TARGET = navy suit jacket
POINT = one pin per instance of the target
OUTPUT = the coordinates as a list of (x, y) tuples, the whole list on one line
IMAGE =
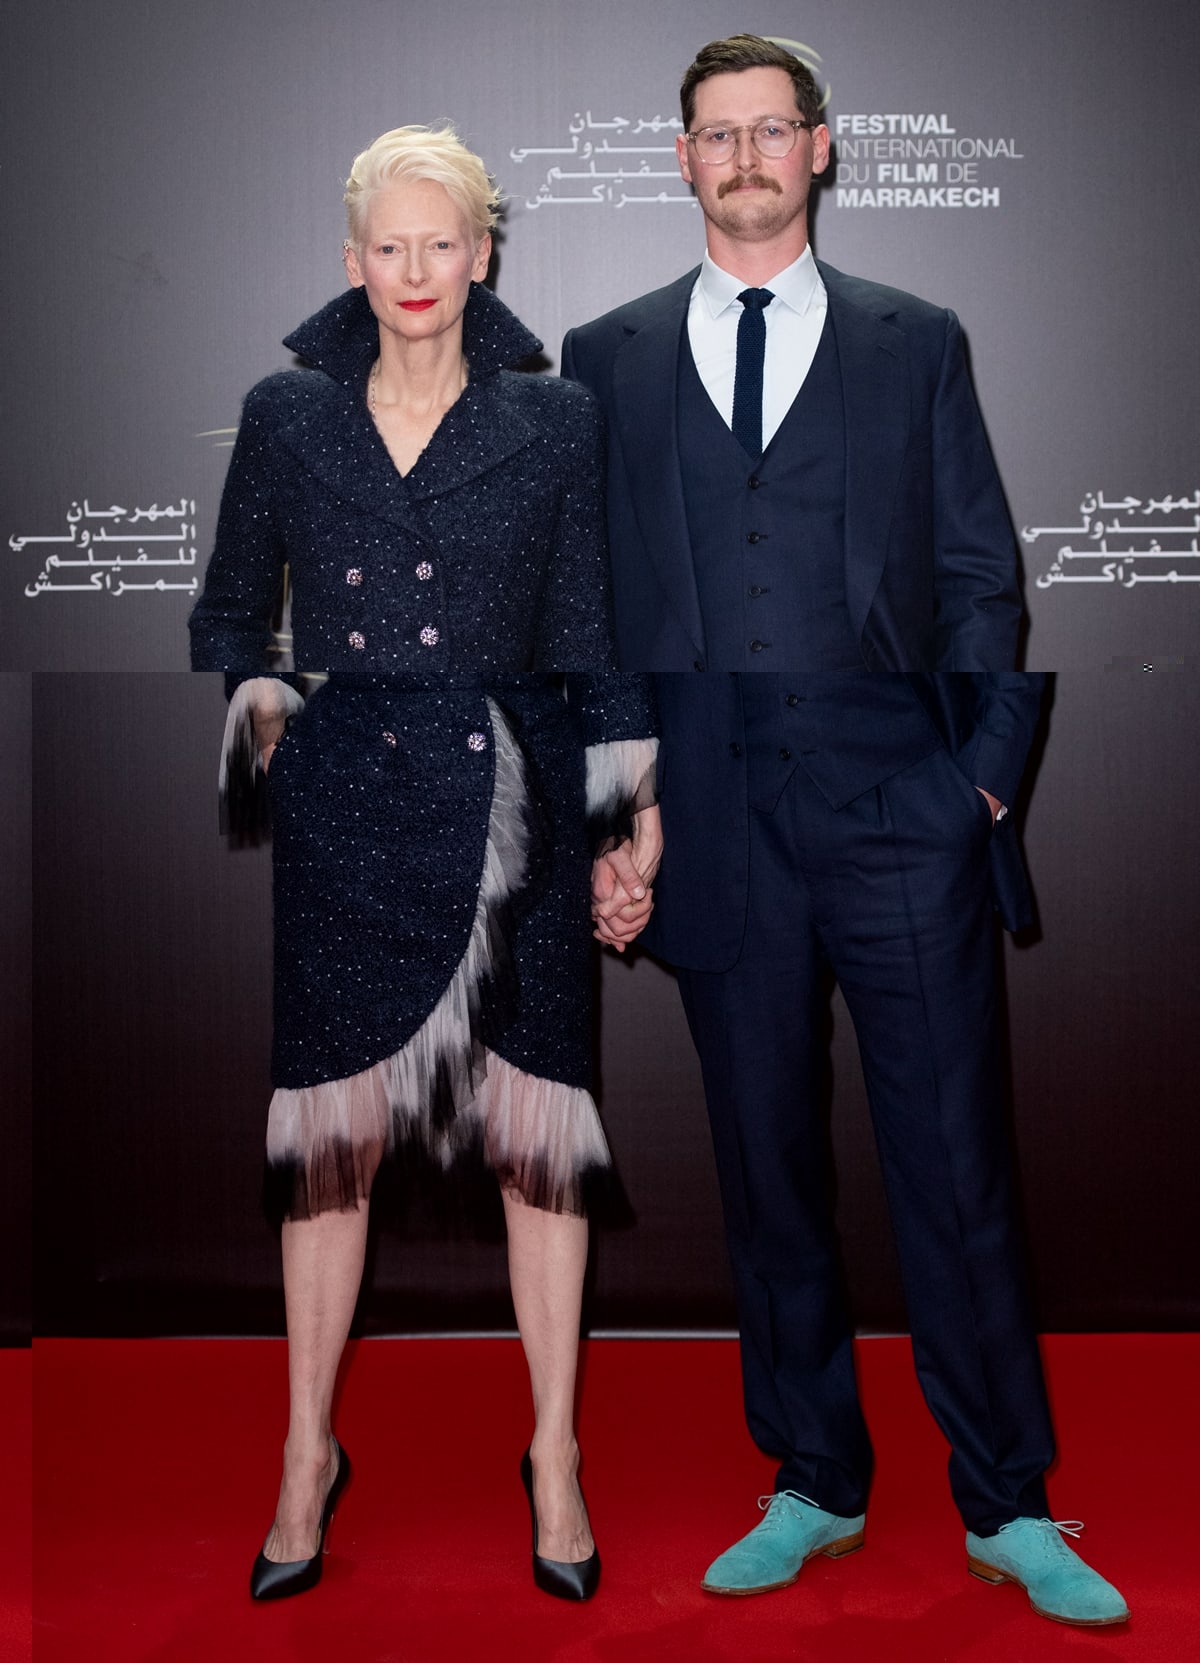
[(930, 558), (871, 726)]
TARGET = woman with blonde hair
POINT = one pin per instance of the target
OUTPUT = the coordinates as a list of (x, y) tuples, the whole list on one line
[(440, 517)]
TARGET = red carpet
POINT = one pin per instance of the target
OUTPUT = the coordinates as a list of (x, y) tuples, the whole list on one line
[(158, 1461), (16, 1418)]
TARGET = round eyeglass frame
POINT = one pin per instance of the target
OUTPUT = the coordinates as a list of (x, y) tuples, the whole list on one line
[(729, 150)]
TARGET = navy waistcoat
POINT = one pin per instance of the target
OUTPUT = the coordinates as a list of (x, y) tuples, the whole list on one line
[(767, 533), (847, 731)]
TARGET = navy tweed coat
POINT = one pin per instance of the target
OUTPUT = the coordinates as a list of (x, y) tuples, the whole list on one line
[(425, 595), (381, 791), (488, 555)]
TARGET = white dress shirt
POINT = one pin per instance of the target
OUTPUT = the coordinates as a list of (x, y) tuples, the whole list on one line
[(794, 322)]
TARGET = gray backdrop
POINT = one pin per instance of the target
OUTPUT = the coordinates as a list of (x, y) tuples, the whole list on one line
[(16, 939), (153, 1017), (174, 208)]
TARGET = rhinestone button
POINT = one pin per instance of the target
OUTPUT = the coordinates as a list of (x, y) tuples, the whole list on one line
[(357, 639), (429, 636), (354, 576), (424, 571), (476, 742), (390, 739)]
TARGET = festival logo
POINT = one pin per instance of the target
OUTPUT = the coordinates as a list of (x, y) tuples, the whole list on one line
[(917, 159)]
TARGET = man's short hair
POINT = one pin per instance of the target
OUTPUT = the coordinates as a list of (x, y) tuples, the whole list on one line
[(722, 57)]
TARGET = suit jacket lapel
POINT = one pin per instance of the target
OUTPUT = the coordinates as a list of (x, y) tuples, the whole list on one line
[(645, 417), (875, 384), (875, 387)]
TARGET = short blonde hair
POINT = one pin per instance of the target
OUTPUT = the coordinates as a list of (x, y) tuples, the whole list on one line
[(412, 153)]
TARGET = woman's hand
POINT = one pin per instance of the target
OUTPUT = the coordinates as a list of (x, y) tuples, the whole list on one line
[(270, 714), (621, 880)]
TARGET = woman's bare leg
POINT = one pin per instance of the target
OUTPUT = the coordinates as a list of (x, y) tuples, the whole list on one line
[(322, 1272), (547, 1255)]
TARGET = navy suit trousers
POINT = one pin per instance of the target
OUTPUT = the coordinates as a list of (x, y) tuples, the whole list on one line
[(890, 892)]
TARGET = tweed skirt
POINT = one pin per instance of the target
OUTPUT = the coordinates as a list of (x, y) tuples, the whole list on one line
[(432, 942)]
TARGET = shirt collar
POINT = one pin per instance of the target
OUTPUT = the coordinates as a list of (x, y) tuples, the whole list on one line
[(798, 286)]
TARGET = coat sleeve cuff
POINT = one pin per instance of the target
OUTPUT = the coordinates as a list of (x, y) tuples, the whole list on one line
[(259, 711), (620, 781)]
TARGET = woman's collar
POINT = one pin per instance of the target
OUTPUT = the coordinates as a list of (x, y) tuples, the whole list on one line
[(343, 337)]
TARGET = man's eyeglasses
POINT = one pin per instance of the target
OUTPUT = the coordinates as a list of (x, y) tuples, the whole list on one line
[(773, 136)]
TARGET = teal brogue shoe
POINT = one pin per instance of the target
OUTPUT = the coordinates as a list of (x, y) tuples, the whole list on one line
[(1059, 1584), (775, 1551)]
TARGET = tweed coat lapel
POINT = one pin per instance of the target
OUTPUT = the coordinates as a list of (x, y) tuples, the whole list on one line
[(875, 389), (482, 429), (337, 442), (646, 419)]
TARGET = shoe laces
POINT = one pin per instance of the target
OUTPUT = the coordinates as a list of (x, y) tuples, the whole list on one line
[(1065, 1527), (776, 1515)]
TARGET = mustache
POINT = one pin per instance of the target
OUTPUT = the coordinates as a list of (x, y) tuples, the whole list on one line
[(762, 180)]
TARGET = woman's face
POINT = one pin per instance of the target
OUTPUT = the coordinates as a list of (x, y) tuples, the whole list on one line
[(417, 260)]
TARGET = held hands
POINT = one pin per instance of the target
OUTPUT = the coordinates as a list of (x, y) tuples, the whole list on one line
[(621, 880), (621, 897)]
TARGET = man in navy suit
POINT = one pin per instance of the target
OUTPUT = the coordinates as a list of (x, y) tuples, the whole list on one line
[(800, 484), (867, 407)]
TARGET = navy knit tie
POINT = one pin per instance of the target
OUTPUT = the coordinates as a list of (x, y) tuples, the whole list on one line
[(748, 374)]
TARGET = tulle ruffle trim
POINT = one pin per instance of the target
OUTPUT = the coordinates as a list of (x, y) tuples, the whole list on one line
[(446, 1091), (259, 711), (542, 1139), (621, 779)]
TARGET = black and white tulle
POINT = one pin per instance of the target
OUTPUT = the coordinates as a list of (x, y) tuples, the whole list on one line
[(431, 857)]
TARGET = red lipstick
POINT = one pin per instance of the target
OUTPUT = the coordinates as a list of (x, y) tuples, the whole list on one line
[(417, 305)]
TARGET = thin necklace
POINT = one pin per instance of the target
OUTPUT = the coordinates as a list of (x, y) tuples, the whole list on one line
[(373, 382)]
